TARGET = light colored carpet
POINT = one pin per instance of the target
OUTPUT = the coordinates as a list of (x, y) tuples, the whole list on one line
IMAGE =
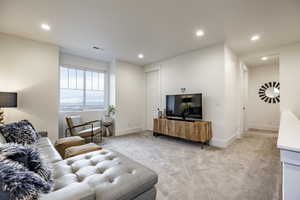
[(249, 169)]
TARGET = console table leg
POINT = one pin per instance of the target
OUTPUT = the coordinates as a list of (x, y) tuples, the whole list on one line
[(202, 145), (207, 143)]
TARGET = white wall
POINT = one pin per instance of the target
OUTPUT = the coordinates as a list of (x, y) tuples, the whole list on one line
[(289, 78), (201, 71), (233, 97), (77, 61), (130, 98), (112, 83), (261, 115), (31, 69)]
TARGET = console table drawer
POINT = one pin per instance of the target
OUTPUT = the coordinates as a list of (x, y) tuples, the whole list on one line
[(199, 131)]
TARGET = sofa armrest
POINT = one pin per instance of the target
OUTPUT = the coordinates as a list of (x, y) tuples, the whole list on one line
[(76, 191), (43, 133)]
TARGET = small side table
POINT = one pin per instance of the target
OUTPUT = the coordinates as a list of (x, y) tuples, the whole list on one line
[(107, 123)]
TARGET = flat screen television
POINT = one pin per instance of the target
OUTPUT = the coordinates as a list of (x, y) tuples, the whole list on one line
[(184, 106)]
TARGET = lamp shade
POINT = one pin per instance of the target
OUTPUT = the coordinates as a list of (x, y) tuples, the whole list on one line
[(8, 99)]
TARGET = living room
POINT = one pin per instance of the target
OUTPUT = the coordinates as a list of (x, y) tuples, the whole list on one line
[(117, 67)]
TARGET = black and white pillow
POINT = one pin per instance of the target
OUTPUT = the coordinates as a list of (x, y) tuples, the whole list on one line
[(29, 157), (21, 132), (18, 183)]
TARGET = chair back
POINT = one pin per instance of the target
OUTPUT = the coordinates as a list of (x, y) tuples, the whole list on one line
[(73, 121)]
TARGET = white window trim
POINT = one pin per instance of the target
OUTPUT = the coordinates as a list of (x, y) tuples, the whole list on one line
[(84, 107)]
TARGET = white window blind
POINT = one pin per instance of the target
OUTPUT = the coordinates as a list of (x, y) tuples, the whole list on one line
[(81, 89)]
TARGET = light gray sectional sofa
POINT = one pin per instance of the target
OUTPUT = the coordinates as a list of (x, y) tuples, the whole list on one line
[(99, 175)]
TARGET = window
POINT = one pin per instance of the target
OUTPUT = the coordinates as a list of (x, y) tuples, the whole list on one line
[(81, 89)]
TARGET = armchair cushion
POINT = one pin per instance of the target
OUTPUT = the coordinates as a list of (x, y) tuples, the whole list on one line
[(63, 143), (88, 132), (21, 132), (81, 149)]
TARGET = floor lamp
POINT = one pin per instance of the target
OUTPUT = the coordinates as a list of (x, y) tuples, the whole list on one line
[(7, 100)]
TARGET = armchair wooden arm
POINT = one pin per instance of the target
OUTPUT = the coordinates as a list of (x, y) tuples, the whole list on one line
[(80, 125), (94, 121), (77, 126)]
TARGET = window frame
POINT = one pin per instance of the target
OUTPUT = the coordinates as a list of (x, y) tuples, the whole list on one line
[(83, 107)]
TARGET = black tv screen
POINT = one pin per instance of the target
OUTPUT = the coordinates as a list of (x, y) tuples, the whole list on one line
[(184, 106)]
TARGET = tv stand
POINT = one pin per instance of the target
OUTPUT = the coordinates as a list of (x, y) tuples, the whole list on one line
[(198, 131), (185, 120)]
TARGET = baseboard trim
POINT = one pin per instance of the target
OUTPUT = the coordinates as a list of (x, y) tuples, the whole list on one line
[(263, 130), (223, 143), (263, 127), (128, 131)]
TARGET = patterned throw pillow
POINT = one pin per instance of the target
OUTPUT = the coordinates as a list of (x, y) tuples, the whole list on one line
[(18, 183), (19, 132), (29, 157)]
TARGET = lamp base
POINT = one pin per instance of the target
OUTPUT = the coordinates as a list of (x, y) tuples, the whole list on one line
[(1, 116)]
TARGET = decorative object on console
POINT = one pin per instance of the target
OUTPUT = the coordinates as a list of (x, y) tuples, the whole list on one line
[(159, 113), (182, 90), (164, 113), (21, 132), (270, 92), (7, 100)]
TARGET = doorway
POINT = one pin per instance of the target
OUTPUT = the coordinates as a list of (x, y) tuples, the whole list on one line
[(152, 97), (244, 97), (263, 94)]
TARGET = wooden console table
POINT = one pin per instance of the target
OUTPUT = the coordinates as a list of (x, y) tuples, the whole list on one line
[(198, 131)]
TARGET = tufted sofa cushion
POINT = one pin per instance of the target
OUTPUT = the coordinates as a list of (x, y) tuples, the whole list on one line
[(111, 175)]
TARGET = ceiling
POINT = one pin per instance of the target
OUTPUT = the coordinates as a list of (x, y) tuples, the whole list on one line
[(158, 29), (256, 61)]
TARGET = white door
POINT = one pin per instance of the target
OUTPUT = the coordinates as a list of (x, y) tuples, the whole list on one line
[(152, 97), (244, 92)]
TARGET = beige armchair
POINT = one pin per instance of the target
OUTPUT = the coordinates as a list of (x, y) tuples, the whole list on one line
[(85, 130)]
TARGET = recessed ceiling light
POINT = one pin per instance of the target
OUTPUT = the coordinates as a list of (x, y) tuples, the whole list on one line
[(46, 27), (255, 37), (199, 33), (264, 58), (141, 56)]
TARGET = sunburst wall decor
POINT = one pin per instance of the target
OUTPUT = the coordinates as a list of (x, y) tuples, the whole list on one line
[(270, 92)]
